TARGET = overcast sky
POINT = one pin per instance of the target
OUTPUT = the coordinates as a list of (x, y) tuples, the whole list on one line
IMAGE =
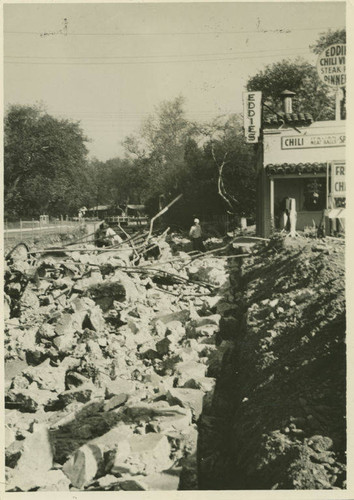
[(118, 61)]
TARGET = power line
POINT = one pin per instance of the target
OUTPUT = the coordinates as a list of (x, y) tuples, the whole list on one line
[(155, 55), (263, 31), (152, 62)]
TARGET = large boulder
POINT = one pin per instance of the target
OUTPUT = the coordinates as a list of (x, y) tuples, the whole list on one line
[(143, 455), (187, 398), (84, 465), (35, 460)]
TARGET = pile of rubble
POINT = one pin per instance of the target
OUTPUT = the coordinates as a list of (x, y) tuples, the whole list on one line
[(109, 367)]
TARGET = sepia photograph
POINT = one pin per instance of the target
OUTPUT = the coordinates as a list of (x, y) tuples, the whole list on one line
[(174, 229)]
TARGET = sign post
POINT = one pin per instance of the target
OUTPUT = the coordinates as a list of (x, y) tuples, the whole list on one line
[(252, 116)]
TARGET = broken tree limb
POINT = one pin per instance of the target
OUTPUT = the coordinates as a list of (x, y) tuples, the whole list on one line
[(221, 188), (131, 242), (164, 210)]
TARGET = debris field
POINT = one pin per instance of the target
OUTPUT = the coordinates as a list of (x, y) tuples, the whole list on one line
[(109, 367), (176, 370)]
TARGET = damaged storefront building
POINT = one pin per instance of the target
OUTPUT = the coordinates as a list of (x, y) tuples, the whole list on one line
[(301, 162)]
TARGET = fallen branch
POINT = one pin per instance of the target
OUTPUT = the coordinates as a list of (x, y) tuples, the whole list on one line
[(164, 210)]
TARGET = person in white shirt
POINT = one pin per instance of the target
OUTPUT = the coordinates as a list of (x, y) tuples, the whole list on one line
[(195, 234)]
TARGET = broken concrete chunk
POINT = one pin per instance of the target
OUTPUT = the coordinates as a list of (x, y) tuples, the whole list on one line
[(19, 382), (35, 460), (148, 454), (29, 300), (46, 331), (162, 481), (112, 439), (209, 274), (187, 398), (188, 370), (119, 386), (46, 376), (206, 384), (119, 462), (115, 402), (28, 400), (180, 316), (68, 324), (213, 319), (83, 465), (13, 453), (65, 343), (95, 320), (54, 480), (176, 419), (82, 304), (74, 379), (81, 394), (104, 294), (10, 436)]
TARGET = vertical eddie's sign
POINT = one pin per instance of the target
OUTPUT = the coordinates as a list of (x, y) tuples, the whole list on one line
[(252, 115)]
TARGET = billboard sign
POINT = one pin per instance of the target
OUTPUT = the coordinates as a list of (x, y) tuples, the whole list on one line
[(331, 65)]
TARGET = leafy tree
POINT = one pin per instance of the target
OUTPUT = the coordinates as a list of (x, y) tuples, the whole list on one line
[(329, 38), (126, 180), (160, 147), (210, 164), (45, 160), (234, 162), (312, 96)]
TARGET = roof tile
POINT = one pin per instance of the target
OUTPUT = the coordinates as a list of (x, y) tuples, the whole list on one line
[(298, 168)]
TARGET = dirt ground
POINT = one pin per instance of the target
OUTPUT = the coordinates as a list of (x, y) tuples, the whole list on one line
[(283, 385)]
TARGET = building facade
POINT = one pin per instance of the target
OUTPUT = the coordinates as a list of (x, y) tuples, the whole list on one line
[(302, 160)]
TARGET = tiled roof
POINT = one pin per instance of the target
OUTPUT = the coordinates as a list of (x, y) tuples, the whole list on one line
[(287, 119), (296, 168)]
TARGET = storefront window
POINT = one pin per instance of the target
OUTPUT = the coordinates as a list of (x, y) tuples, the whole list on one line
[(314, 194)]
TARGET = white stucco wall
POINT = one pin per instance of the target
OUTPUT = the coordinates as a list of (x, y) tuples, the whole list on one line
[(288, 146)]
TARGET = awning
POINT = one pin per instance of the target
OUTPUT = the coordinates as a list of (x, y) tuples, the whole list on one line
[(336, 213), (296, 168)]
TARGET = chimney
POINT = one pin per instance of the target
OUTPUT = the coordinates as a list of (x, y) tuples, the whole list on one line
[(287, 97)]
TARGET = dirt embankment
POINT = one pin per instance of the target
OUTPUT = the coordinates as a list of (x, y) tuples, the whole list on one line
[(45, 239), (278, 417)]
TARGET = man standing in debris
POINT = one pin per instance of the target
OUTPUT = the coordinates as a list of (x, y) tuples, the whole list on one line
[(195, 234)]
